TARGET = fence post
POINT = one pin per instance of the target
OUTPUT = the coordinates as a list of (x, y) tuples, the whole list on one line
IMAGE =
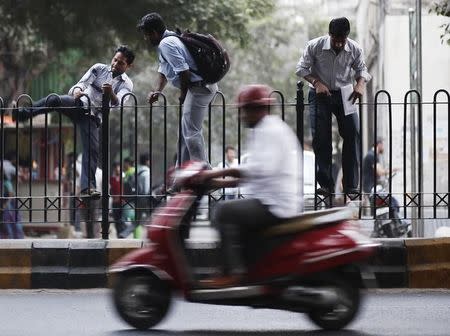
[(300, 108), (105, 165)]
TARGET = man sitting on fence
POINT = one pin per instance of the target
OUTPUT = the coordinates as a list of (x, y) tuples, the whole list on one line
[(114, 82)]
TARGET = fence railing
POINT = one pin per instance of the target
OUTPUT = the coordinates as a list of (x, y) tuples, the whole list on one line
[(45, 182)]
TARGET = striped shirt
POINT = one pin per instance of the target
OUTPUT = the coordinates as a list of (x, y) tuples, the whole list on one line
[(334, 70), (91, 84)]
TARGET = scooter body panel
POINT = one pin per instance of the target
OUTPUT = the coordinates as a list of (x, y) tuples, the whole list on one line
[(315, 250)]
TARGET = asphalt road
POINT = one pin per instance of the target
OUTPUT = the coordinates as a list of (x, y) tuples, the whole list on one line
[(89, 312)]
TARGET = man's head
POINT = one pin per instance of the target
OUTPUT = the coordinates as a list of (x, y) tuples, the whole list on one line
[(230, 153), (144, 160), (122, 60), (153, 27), (116, 168), (338, 30), (128, 163), (379, 145), (254, 101)]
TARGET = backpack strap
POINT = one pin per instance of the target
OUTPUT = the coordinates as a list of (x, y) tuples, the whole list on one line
[(181, 39)]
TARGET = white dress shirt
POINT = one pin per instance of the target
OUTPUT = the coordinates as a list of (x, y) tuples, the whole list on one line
[(273, 171)]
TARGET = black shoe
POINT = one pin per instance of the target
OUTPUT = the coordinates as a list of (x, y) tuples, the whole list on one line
[(90, 193), (351, 191), (18, 114), (324, 191)]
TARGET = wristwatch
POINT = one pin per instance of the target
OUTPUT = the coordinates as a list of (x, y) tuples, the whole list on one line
[(314, 82)]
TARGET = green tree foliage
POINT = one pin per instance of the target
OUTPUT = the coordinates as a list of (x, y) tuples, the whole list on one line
[(34, 32)]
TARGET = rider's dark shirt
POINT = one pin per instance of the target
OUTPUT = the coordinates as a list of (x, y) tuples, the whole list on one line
[(368, 168)]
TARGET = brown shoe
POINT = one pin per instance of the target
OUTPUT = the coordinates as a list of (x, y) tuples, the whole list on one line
[(222, 281)]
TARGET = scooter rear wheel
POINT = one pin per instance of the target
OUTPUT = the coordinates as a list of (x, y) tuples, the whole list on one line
[(142, 300), (341, 314)]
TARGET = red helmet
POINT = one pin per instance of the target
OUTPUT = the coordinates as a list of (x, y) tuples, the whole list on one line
[(255, 95)]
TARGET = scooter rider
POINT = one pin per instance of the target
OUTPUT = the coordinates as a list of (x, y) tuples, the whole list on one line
[(272, 177)]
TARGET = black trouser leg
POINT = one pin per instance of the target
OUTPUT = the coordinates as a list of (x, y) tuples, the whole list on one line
[(237, 219), (320, 119), (348, 126)]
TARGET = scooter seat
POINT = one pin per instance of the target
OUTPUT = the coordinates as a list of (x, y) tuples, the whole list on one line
[(308, 220)]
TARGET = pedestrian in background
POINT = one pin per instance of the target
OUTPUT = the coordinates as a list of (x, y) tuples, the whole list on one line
[(333, 64), (230, 162), (144, 200), (10, 219), (116, 195)]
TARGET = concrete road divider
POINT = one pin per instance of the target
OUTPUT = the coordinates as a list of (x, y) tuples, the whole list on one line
[(15, 264), (70, 264), (428, 262)]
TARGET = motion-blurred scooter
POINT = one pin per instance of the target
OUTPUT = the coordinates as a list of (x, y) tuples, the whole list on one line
[(312, 263)]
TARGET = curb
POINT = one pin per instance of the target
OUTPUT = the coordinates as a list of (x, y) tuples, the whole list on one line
[(76, 264), (389, 264)]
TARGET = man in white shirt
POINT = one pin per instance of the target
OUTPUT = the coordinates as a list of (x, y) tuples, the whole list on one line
[(272, 176), (230, 162)]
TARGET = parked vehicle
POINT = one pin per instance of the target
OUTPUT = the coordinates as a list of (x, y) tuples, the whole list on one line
[(309, 264), (388, 223)]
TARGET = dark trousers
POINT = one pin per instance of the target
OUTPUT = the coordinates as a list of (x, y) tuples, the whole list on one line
[(321, 107), (118, 221), (88, 126), (238, 221)]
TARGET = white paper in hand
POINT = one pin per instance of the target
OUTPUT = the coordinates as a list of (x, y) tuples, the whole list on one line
[(349, 108)]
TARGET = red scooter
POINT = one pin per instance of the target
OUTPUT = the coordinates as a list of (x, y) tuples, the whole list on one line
[(310, 264)]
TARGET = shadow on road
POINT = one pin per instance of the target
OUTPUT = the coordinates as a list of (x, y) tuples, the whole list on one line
[(155, 332)]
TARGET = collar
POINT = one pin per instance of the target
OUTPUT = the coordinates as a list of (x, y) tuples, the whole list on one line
[(167, 33), (327, 44), (121, 77)]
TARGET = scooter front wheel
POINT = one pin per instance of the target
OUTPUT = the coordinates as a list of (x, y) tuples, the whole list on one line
[(142, 300), (342, 313)]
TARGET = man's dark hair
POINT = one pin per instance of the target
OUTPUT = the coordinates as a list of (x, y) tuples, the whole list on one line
[(227, 148), (129, 160), (127, 52), (144, 158), (339, 27), (152, 22)]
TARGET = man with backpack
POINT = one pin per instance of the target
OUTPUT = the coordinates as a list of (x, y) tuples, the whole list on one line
[(177, 66)]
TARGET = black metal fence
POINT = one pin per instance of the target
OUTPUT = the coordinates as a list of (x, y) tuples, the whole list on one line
[(45, 192)]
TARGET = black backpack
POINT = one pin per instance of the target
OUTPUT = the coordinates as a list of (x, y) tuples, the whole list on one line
[(210, 57)]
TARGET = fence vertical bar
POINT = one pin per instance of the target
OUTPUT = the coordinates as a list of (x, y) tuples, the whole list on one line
[(300, 111), (28, 199), (447, 196), (105, 165), (180, 133), (2, 143)]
